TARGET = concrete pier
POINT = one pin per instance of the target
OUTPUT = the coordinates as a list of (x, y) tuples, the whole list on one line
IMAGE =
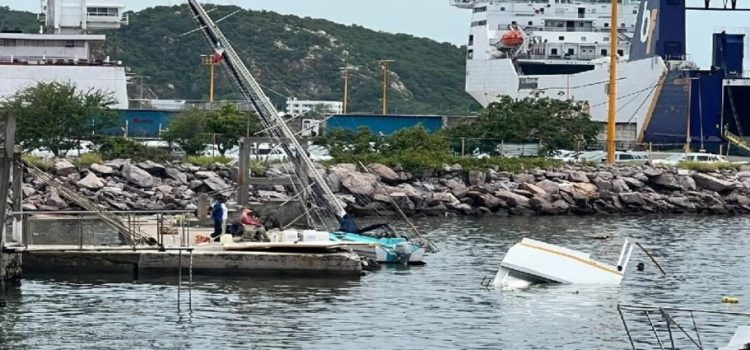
[(209, 260)]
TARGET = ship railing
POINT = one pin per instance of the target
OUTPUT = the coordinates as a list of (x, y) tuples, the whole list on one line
[(462, 3), (56, 60)]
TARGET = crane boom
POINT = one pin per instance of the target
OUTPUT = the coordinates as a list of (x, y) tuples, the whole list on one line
[(268, 114)]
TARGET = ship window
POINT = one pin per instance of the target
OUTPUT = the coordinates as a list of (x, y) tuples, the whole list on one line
[(561, 38), (470, 54), (604, 52), (103, 11), (70, 43), (478, 23), (513, 22), (620, 53), (606, 38), (480, 9), (583, 38), (635, 12), (606, 25), (471, 40), (622, 25), (8, 42), (531, 23), (571, 51), (553, 52), (502, 9)]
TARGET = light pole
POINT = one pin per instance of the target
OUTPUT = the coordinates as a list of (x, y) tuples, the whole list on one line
[(612, 119), (208, 60), (384, 63)]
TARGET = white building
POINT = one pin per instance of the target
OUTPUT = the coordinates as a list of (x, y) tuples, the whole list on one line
[(297, 107), (64, 51)]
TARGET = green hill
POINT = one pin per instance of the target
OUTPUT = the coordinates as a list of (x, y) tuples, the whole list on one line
[(290, 56)]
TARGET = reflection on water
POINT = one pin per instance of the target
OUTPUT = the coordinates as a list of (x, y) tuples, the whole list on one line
[(440, 305)]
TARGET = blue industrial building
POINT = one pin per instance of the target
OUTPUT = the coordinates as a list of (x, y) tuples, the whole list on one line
[(141, 123), (384, 124)]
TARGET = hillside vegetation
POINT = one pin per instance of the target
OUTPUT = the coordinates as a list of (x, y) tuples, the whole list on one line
[(289, 55)]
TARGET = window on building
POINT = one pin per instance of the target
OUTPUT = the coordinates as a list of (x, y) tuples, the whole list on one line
[(103, 11), (471, 39)]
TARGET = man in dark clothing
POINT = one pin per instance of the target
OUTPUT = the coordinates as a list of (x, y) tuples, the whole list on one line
[(348, 225), (217, 213)]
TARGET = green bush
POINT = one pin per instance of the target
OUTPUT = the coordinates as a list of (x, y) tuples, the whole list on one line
[(90, 158), (704, 167), (118, 147), (206, 160), (258, 168), (41, 163)]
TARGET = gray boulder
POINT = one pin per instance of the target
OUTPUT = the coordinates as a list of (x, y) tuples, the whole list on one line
[(533, 189), (91, 181), (548, 186), (216, 184), (477, 178), (101, 169), (513, 200), (360, 183), (632, 199), (137, 176), (54, 200), (578, 176), (64, 168), (445, 197), (176, 174), (490, 201), (667, 180), (712, 183), (152, 167), (652, 172), (205, 174), (383, 172), (633, 182)]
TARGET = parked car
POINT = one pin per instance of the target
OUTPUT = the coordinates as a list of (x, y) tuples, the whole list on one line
[(174, 151), (678, 158), (621, 157)]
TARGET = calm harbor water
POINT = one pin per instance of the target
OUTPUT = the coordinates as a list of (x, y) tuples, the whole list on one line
[(440, 305)]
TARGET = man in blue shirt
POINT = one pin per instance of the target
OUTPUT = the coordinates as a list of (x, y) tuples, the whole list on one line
[(217, 213)]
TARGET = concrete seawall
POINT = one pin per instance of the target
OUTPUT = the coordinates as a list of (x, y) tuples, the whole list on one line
[(58, 260)]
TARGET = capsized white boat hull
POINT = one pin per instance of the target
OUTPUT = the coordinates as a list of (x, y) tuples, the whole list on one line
[(530, 261)]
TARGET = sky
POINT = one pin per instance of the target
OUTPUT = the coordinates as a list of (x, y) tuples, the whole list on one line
[(436, 19)]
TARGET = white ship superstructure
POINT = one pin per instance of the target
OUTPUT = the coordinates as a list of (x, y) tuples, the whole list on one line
[(560, 49), (64, 49), (538, 37)]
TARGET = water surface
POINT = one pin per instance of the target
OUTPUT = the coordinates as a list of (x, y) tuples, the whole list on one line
[(440, 305)]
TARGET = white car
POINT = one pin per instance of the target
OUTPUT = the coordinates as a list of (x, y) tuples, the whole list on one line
[(621, 157), (678, 158)]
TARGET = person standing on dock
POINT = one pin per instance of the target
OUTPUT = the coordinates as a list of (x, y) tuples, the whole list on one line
[(218, 213)]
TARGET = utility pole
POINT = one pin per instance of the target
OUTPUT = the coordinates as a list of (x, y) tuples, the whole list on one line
[(208, 60), (345, 71), (384, 64), (612, 120)]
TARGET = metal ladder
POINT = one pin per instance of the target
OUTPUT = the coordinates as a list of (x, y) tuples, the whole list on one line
[(132, 236)]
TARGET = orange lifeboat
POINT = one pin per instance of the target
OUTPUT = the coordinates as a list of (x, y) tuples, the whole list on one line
[(512, 38)]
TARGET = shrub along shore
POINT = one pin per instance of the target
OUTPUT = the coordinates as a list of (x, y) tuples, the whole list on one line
[(507, 188)]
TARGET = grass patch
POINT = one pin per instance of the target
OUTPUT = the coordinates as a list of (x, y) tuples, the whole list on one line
[(90, 158), (704, 167), (41, 163), (420, 161), (203, 161)]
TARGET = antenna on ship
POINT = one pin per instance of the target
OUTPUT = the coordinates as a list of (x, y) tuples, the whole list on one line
[(612, 120)]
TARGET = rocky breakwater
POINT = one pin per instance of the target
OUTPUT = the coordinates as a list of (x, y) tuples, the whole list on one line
[(571, 190), (126, 185), (452, 190)]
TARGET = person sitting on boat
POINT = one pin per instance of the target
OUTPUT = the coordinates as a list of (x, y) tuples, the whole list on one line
[(348, 225), (256, 231)]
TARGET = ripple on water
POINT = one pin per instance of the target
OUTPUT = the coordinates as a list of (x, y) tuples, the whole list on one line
[(441, 305)]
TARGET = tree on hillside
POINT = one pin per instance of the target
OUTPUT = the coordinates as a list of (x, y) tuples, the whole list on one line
[(555, 123), (228, 124), (57, 117)]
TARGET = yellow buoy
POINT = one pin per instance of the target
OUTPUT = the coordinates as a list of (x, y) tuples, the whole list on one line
[(730, 300)]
